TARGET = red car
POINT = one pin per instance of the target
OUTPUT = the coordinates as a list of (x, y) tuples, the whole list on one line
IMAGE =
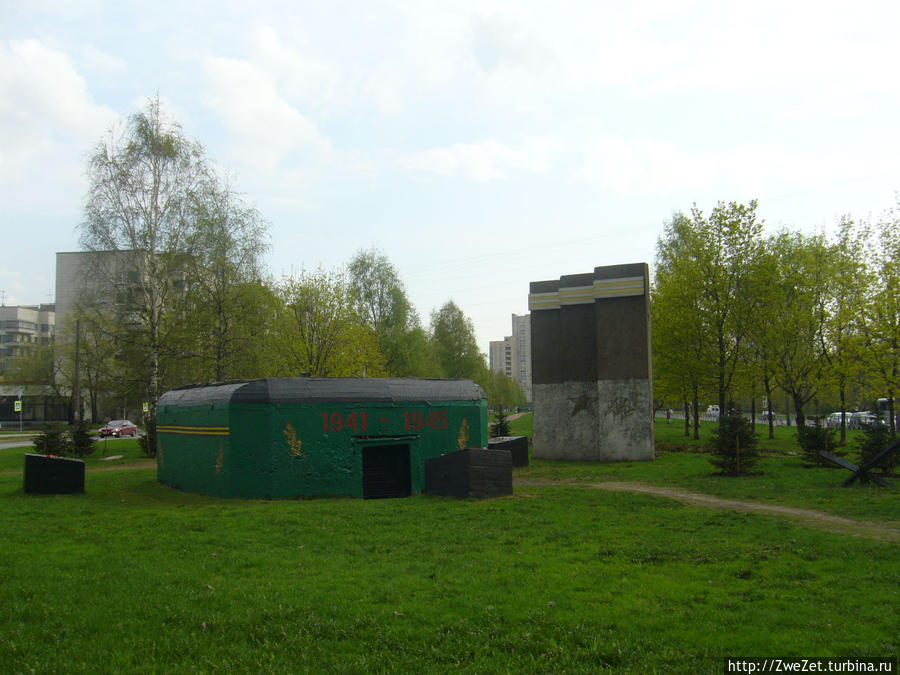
[(118, 428)]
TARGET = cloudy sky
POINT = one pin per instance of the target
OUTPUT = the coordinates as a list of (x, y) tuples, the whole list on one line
[(480, 145)]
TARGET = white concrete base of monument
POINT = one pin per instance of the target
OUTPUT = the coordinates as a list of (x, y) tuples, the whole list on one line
[(607, 421)]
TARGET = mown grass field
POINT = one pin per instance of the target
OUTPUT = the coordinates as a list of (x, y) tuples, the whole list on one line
[(781, 476), (134, 576), (11, 458)]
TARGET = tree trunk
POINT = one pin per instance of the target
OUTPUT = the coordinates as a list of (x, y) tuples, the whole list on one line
[(798, 410), (696, 416), (721, 381), (843, 412), (891, 413)]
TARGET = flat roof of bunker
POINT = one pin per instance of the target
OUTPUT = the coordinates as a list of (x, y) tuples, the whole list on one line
[(321, 389)]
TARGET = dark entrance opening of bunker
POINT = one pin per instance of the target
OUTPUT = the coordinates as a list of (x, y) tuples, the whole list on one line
[(386, 471)]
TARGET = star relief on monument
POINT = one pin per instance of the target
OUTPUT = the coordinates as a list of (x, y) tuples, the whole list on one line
[(581, 402)]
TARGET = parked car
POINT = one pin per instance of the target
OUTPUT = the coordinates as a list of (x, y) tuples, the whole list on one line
[(865, 419), (712, 410), (833, 421), (117, 429)]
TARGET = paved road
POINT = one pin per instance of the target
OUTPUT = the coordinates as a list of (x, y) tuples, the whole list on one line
[(6, 442)]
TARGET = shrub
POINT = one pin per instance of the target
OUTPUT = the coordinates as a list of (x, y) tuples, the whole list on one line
[(83, 443), (815, 438), (734, 445), (500, 427), (873, 440), (52, 440)]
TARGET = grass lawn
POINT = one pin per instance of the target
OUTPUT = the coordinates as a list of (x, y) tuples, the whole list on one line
[(12, 459), (782, 478), (135, 576), (785, 438)]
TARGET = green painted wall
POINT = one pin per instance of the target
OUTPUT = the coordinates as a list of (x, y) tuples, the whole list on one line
[(192, 455), (304, 449)]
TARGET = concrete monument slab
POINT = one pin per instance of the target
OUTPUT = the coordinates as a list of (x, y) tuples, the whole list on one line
[(591, 365)]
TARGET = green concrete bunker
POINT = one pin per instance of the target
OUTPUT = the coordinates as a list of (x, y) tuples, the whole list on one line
[(284, 438)]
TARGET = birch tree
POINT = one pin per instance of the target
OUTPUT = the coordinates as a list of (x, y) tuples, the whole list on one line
[(143, 182), (378, 295)]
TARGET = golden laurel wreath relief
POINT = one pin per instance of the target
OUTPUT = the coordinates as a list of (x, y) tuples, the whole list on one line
[(462, 440), (294, 443)]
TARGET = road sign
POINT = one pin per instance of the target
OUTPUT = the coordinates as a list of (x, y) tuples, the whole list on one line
[(17, 406)]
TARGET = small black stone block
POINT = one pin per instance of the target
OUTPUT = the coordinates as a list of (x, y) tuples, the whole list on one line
[(517, 446), (45, 475), (470, 473)]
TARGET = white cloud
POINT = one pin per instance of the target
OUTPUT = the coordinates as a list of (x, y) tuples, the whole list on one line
[(48, 122), (265, 129), (645, 167), (300, 78), (486, 160), (639, 165), (13, 284), (94, 57)]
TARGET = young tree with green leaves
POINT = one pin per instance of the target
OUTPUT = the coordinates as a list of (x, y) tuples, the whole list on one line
[(502, 391), (379, 297), (320, 333), (802, 269), (225, 296), (705, 271), (846, 290), (38, 365), (681, 368), (100, 369), (454, 344), (880, 326)]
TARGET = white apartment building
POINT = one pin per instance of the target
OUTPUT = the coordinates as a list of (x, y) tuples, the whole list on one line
[(22, 327), (501, 356), (512, 355)]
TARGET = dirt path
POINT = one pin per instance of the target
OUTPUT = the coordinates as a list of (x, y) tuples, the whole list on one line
[(146, 464), (817, 519)]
